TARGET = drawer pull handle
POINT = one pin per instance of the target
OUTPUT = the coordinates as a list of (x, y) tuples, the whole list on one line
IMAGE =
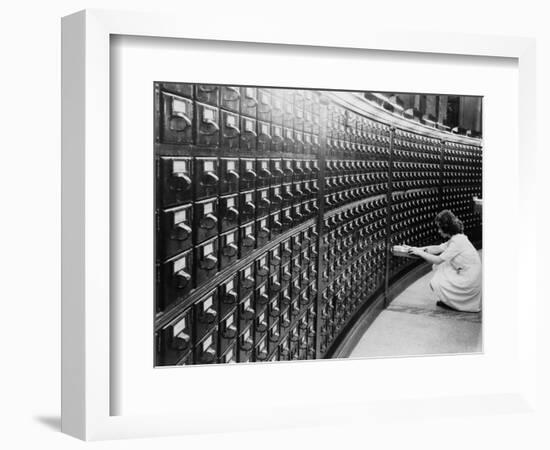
[(249, 175), (230, 250), (211, 127), (232, 214), (208, 356), (251, 102), (209, 221), (207, 89), (208, 263), (181, 279), (181, 342), (230, 297), (234, 131), (208, 316), (181, 232), (179, 122), (230, 332), (210, 179), (231, 94), (249, 241), (180, 182)]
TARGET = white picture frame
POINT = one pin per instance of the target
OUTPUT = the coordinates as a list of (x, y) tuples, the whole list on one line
[(86, 318)]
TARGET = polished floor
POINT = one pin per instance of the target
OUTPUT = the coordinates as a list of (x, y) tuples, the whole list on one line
[(413, 325)]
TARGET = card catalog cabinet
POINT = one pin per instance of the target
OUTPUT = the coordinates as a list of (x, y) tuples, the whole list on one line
[(275, 210)]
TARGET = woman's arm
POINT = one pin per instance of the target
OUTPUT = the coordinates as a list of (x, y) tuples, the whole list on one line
[(433, 249), (432, 259)]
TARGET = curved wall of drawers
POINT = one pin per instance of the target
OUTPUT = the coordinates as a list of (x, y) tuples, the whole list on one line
[(276, 210)]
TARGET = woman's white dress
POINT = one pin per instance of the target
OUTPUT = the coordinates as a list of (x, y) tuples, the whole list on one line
[(457, 280)]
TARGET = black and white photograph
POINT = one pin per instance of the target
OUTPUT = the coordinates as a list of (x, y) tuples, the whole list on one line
[(302, 224)]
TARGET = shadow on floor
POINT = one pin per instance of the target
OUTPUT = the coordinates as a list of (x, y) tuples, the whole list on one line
[(51, 422)]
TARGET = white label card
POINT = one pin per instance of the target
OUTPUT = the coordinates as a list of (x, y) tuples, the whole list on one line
[(180, 264), (229, 356), (231, 121), (208, 208), (247, 272), (179, 106), (207, 343), (230, 165), (179, 166), (229, 321), (180, 326), (230, 238), (230, 202), (229, 285), (208, 249), (208, 114), (249, 125), (248, 230), (180, 216), (207, 304), (208, 166)]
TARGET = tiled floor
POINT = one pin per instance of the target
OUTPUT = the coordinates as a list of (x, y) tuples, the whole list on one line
[(413, 325)]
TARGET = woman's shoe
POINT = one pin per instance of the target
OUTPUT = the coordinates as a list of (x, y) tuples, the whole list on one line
[(445, 306)]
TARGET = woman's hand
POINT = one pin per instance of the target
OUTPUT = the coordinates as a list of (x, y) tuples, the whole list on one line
[(416, 251)]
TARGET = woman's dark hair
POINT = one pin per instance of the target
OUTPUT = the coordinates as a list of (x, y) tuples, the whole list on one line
[(449, 223)]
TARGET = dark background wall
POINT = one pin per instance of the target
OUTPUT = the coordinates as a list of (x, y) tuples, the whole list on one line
[(461, 114)]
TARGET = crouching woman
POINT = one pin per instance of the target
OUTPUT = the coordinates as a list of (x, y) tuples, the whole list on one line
[(456, 264)]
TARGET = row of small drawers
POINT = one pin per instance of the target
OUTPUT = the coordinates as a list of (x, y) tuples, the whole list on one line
[(185, 179), (405, 137), (340, 300), (456, 149), (263, 103), (417, 235), (344, 197), (235, 221), (345, 120), (414, 156), (365, 260), (236, 307), (188, 121), (192, 268)]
